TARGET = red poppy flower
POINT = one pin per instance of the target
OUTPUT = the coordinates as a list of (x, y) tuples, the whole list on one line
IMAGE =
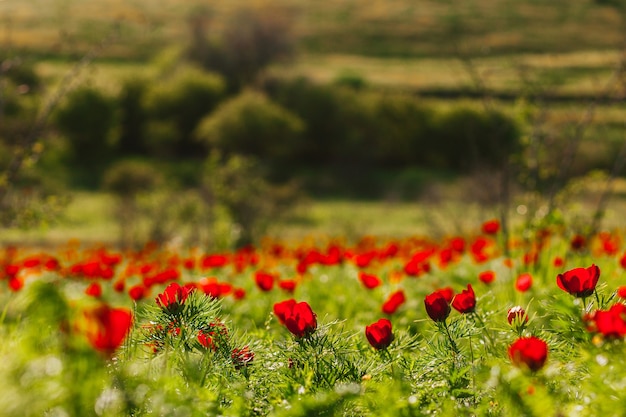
[(578, 242), (447, 292), (621, 292), (394, 301), (301, 321), (94, 290), (108, 327), (173, 297), (516, 315), (437, 307), (523, 282), (264, 281), (137, 292), (487, 277), (491, 227), (579, 282), (239, 293), (369, 281), (558, 261), (288, 285), (379, 334), (465, 302), (529, 352), (611, 322), (282, 308)]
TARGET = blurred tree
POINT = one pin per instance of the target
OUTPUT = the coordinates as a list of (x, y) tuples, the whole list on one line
[(249, 39), (251, 124)]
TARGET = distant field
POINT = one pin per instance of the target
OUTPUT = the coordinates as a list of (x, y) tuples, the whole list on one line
[(374, 28)]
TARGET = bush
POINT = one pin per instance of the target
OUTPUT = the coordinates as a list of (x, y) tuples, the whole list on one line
[(250, 39), (87, 119), (133, 118), (127, 180), (465, 138), (181, 101), (238, 183), (251, 124)]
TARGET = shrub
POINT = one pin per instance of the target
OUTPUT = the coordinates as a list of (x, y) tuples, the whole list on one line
[(250, 39), (251, 124), (126, 180), (238, 183), (133, 117), (181, 101), (86, 119)]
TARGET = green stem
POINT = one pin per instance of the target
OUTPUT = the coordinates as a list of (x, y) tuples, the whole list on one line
[(484, 329), (455, 348)]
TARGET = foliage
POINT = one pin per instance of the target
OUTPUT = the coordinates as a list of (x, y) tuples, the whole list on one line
[(251, 124), (175, 105), (239, 184), (206, 340), (250, 38), (87, 119)]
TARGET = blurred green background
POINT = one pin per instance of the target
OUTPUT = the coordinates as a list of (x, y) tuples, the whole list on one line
[(215, 123)]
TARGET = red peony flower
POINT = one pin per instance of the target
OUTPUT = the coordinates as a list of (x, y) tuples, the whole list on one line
[(242, 357), (579, 282), (137, 292), (394, 301), (487, 277), (173, 297), (516, 315), (301, 320), (491, 227), (523, 282), (379, 334), (264, 281), (437, 307), (282, 308), (369, 281), (107, 327), (529, 352), (611, 322), (94, 290), (465, 302), (288, 285)]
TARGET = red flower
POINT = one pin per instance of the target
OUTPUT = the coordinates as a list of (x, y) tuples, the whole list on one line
[(465, 302), (173, 297), (369, 281), (94, 290), (621, 292), (611, 322), (394, 301), (137, 292), (301, 320), (487, 277), (523, 282), (211, 338), (288, 285), (437, 307), (264, 281), (242, 357), (578, 242), (579, 282), (530, 352), (491, 227), (516, 315), (379, 334), (447, 292), (108, 327), (282, 308)]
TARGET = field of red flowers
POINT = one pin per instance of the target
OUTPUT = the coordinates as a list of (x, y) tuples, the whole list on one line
[(466, 325)]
